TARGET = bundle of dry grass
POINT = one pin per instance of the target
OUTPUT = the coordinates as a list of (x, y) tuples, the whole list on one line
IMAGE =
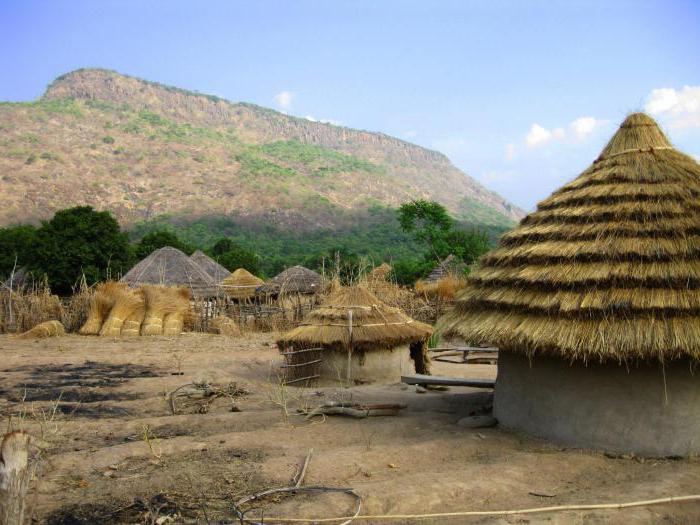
[(166, 308), (446, 288), (354, 314), (101, 305), (607, 268), (127, 305), (225, 326), (241, 284), (43, 330)]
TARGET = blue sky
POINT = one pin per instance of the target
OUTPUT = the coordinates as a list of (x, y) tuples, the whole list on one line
[(520, 95)]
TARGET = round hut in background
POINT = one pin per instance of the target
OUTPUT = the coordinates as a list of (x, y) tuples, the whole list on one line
[(362, 339), (296, 280), (170, 267), (217, 272), (594, 301), (241, 285)]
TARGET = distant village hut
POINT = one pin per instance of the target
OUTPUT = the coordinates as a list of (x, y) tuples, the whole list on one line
[(296, 280), (594, 302), (444, 280), (217, 272), (241, 285), (169, 266), (363, 339)]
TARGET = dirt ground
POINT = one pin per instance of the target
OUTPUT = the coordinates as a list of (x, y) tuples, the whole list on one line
[(113, 452)]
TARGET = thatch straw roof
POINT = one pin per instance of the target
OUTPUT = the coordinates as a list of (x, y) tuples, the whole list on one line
[(241, 284), (209, 265), (606, 268), (449, 266), (296, 279), (169, 266), (374, 324)]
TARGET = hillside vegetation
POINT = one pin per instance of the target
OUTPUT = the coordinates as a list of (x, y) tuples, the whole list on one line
[(149, 153)]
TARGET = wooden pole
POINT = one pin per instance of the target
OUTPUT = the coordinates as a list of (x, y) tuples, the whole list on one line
[(14, 478), (349, 370)]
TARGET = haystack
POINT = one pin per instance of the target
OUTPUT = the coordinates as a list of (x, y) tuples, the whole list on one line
[(44, 330), (594, 301), (294, 280), (166, 308), (127, 305), (241, 284), (353, 321), (217, 272), (101, 305), (170, 267), (444, 280), (225, 326)]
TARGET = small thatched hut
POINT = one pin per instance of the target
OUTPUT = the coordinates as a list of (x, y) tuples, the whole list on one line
[(217, 272), (449, 266), (353, 323), (241, 285), (169, 266), (594, 301), (294, 280)]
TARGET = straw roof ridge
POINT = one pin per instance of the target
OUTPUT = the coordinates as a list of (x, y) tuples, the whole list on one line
[(296, 279), (169, 266), (375, 325), (216, 271), (241, 284), (606, 268)]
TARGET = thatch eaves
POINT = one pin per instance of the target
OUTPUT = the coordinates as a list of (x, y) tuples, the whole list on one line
[(295, 280), (169, 266), (606, 268), (217, 272), (374, 324), (241, 284)]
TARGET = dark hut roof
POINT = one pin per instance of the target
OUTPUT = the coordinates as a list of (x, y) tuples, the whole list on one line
[(296, 279), (171, 267), (450, 265), (606, 268), (209, 265), (374, 324)]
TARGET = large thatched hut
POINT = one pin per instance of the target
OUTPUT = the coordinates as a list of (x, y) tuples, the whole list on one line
[(295, 280), (169, 266), (594, 301), (353, 326), (217, 272), (241, 285)]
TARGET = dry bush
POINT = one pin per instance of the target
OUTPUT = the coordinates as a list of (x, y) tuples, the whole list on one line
[(77, 307), (24, 309)]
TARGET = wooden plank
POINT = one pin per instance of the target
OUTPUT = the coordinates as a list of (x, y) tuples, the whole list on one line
[(488, 350), (420, 379), (302, 364)]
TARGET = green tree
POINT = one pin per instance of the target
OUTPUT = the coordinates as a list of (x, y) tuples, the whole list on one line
[(80, 241), (407, 271), (15, 245), (430, 224), (233, 256), (158, 239)]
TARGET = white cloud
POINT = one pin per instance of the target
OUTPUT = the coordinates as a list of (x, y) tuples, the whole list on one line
[(510, 151), (584, 126), (324, 120), (681, 107), (310, 118), (284, 99), (539, 136)]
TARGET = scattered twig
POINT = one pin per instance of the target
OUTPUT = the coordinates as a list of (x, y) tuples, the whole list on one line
[(300, 478)]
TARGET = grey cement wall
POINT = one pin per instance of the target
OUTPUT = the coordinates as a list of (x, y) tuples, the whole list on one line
[(604, 407), (377, 366)]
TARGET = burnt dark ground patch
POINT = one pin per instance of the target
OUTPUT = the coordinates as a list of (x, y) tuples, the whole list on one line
[(77, 386)]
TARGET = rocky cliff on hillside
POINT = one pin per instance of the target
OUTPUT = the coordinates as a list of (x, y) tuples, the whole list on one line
[(143, 149)]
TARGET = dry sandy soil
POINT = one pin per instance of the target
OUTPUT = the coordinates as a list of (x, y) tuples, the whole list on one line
[(98, 467)]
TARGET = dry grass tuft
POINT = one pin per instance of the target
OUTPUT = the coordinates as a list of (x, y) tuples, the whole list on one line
[(44, 330)]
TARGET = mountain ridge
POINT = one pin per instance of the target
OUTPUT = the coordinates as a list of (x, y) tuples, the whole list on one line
[(141, 149)]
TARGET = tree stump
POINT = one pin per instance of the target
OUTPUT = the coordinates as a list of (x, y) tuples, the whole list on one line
[(14, 478)]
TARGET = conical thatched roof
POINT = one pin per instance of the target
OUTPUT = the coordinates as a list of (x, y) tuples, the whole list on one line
[(374, 324), (296, 279), (171, 267), (606, 268), (450, 265), (217, 272), (241, 284)]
